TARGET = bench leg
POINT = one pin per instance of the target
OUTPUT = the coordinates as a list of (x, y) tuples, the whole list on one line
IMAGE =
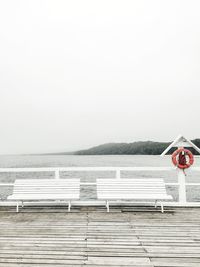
[(69, 206), (22, 204), (107, 206), (17, 207), (162, 207), (155, 203)]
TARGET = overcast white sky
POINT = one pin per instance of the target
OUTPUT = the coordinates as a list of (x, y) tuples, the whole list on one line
[(74, 74)]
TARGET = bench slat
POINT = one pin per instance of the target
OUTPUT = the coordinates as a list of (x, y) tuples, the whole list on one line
[(44, 197), (134, 197)]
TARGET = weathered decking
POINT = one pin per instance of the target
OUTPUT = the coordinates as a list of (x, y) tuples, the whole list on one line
[(92, 237)]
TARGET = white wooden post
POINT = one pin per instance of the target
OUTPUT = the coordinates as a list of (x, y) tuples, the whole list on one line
[(57, 174), (181, 142), (182, 187), (118, 174)]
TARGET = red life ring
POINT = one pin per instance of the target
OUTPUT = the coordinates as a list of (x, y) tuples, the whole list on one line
[(187, 153)]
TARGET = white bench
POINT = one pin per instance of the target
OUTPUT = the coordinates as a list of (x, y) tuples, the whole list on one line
[(45, 190), (132, 189)]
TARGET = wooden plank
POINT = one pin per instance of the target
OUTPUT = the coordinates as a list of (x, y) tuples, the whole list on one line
[(119, 261), (100, 239)]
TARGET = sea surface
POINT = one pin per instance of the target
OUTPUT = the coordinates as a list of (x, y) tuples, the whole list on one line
[(89, 191)]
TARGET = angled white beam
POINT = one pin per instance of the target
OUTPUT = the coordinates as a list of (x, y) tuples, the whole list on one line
[(170, 146)]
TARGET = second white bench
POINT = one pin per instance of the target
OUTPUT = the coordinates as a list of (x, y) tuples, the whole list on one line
[(132, 189)]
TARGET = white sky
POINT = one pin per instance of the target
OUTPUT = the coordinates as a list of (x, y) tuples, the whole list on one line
[(74, 74)]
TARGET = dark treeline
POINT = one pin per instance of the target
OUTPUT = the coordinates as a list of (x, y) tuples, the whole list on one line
[(135, 148)]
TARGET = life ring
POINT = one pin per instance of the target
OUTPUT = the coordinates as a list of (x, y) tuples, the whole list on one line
[(187, 153)]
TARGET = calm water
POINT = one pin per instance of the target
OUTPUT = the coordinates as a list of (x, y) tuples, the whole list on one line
[(89, 192)]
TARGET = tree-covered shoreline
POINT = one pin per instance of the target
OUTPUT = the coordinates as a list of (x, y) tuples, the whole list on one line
[(135, 148)]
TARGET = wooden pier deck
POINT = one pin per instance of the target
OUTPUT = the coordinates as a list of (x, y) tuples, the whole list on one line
[(137, 237)]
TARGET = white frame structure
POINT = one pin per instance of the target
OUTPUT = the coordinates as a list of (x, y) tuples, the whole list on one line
[(180, 141), (182, 185)]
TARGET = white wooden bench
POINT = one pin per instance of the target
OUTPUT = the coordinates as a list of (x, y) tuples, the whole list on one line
[(132, 189), (45, 190)]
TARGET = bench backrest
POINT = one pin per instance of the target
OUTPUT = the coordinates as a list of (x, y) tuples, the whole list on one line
[(68, 187), (128, 188)]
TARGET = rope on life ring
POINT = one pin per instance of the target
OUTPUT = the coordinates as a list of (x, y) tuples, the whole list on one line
[(187, 153)]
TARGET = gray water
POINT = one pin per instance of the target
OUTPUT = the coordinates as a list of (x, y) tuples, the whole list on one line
[(89, 192)]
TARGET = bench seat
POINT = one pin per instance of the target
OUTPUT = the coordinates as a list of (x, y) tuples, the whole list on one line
[(45, 189), (132, 189)]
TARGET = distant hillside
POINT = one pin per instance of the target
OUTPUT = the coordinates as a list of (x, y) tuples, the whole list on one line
[(135, 148)]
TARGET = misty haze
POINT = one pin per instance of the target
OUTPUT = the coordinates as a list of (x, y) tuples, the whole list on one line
[(100, 135), (76, 74)]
